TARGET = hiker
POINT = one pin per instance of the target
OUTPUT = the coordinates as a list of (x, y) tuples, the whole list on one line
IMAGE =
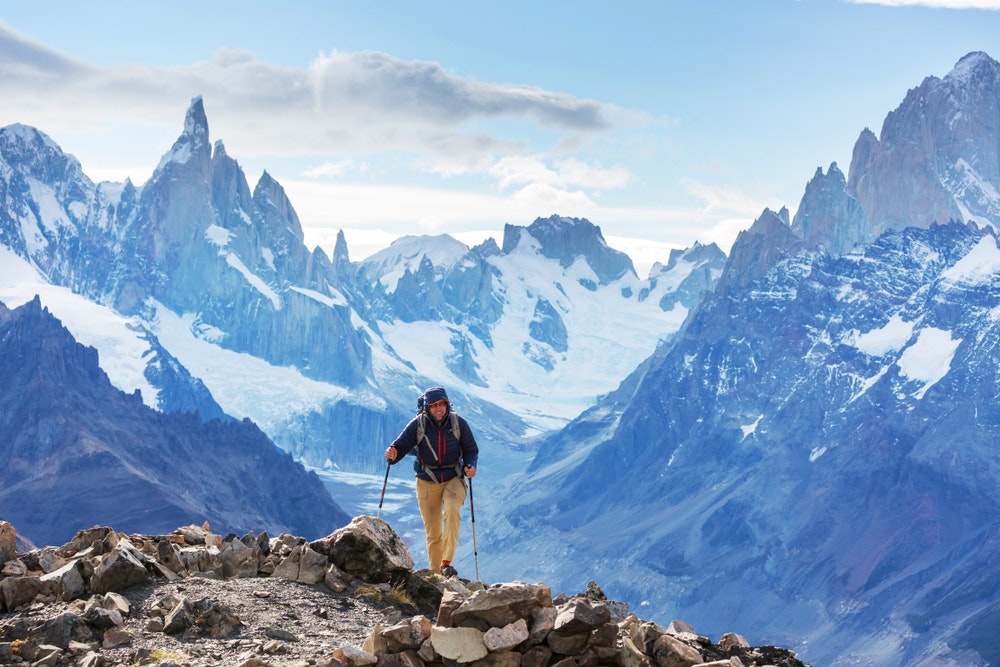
[(447, 453)]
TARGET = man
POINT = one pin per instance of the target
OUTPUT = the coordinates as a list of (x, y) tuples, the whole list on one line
[(446, 454)]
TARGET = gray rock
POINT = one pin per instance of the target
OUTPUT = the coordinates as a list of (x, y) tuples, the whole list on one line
[(367, 548), (125, 566), (503, 604), (17, 591), (8, 542)]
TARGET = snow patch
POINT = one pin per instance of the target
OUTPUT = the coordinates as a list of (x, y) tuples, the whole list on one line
[(252, 278), (878, 342), (337, 299), (977, 267), (928, 359), (750, 429), (218, 236), (244, 385), (120, 341)]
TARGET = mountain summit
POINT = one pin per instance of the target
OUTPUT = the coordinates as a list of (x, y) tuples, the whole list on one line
[(936, 159)]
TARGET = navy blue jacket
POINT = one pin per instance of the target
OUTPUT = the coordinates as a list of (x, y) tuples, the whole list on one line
[(439, 451)]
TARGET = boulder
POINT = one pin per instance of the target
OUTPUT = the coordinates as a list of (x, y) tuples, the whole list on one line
[(669, 651), (17, 591), (461, 645), (507, 637), (731, 640), (536, 656), (125, 566), (8, 542), (62, 630), (167, 556), (407, 634), (500, 605), (68, 580), (404, 659), (238, 559), (543, 621), (180, 618), (86, 539), (367, 548), (581, 615), (632, 655), (355, 657)]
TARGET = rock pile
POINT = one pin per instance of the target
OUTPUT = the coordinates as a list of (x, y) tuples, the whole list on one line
[(520, 625), (425, 620)]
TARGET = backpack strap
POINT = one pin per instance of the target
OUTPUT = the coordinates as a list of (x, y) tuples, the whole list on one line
[(456, 430)]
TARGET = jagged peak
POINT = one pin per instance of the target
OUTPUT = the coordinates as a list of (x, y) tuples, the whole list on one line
[(340, 253), (769, 222), (35, 150), (193, 144), (269, 194), (769, 240), (696, 253), (833, 175), (266, 181), (487, 248), (565, 239), (971, 65), (195, 121), (26, 134)]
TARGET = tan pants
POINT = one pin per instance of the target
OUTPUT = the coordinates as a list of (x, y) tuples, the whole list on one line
[(440, 508)]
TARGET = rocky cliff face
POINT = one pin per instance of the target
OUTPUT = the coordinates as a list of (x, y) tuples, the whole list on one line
[(937, 156), (76, 451), (197, 259), (811, 451), (828, 215), (935, 160)]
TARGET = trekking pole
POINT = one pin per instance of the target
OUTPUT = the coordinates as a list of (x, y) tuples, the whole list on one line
[(384, 484), (472, 508)]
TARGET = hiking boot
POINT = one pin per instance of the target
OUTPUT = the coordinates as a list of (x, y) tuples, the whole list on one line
[(448, 571)]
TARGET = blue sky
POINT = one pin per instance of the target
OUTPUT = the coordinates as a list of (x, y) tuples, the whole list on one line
[(664, 123)]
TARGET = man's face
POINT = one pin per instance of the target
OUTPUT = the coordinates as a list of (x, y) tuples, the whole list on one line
[(438, 408)]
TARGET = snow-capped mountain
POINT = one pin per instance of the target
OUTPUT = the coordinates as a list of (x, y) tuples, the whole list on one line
[(936, 159), (195, 271), (546, 323), (813, 457)]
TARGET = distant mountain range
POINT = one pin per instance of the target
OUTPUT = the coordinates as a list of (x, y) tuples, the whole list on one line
[(196, 264), (798, 440), (813, 456)]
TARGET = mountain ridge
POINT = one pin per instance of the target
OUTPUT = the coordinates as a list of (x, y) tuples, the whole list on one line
[(72, 440), (812, 455)]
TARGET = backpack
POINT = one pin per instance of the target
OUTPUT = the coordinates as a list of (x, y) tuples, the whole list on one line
[(456, 430)]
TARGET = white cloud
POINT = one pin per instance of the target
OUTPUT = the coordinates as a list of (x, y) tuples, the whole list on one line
[(331, 169), (936, 4), (342, 103), (520, 169), (719, 198), (566, 173)]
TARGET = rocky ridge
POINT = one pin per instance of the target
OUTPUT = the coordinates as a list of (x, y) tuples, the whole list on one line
[(350, 599)]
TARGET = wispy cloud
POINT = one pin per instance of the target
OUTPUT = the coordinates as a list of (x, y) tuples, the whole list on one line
[(935, 4), (341, 103), (567, 173)]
